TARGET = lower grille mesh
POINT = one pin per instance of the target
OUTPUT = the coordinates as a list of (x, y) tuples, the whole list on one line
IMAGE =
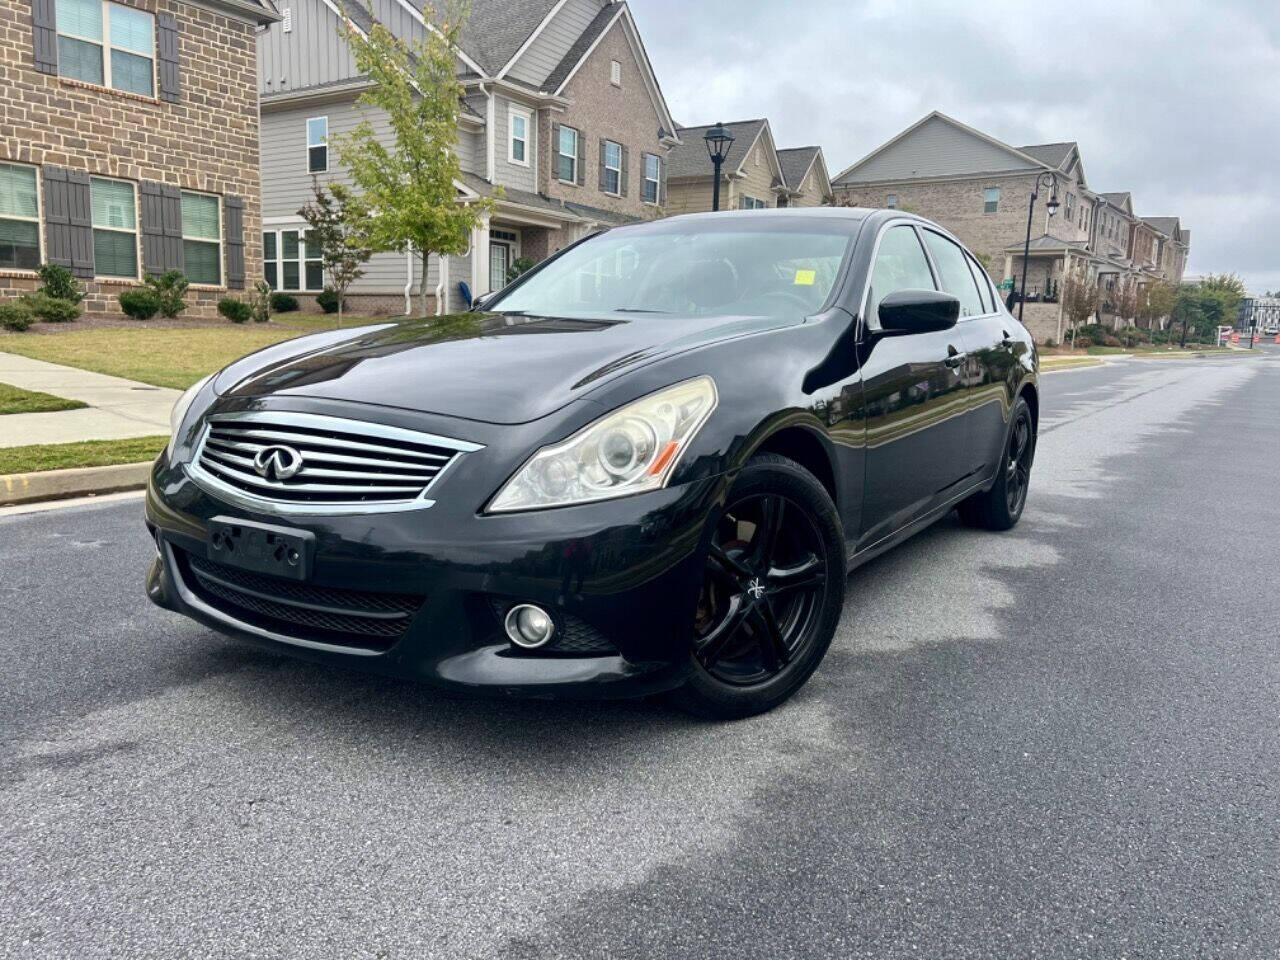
[(327, 614)]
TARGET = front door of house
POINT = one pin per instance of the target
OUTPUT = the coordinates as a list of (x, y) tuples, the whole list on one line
[(502, 252)]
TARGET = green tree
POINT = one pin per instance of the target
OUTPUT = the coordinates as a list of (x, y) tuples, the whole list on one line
[(337, 220), (1156, 302), (1080, 299), (407, 185)]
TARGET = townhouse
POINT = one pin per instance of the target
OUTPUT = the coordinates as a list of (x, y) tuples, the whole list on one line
[(129, 144), (562, 111), (755, 174), (980, 188)]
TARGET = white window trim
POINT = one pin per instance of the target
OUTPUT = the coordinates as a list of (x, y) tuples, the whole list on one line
[(38, 219), (577, 148), (617, 169), (136, 232), (311, 145), (222, 235), (513, 112), (615, 72), (645, 178), (303, 256), (107, 46)]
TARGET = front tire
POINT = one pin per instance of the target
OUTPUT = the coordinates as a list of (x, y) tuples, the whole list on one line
[(1000, 507), (772, 592)]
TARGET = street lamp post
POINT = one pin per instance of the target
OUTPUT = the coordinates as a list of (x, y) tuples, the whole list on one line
[(718, 140), (1044, 180)]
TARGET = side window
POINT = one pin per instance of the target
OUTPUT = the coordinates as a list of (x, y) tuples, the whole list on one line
[(900, 265), (318, 145), (985, 291), (954, 273)]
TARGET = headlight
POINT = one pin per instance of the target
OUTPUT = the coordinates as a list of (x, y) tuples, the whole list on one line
[(631, 450), (179, 413)]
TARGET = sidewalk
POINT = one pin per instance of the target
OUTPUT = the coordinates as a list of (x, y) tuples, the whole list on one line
[(117, 408)]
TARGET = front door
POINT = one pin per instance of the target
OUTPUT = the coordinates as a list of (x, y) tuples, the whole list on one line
[(916, 397), (499, 260)]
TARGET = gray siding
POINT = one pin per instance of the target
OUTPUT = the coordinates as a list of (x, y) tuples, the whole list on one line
[(935, 149), (392, 15), (554, 42), (312, 53), (504, 172)]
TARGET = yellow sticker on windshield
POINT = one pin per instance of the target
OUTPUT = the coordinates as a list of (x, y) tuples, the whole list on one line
[(805, 278)]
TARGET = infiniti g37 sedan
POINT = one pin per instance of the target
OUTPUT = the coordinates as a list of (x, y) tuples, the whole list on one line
[(646, 465)]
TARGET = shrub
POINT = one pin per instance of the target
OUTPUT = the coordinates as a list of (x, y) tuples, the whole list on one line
[(141, 303), (1050, 343), (57, 282), (283, 303), (15, 316), (1110, 341), (168, 290), (1083, 343), (260, 302), (50, 309), (237, 311), (327, 300)]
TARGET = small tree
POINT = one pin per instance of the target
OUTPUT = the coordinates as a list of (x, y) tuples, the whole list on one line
[(1156, 302), (337, 221), (407, 185), (1080, 300)]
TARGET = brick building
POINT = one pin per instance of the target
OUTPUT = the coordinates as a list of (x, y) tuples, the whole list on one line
[(129, 144)]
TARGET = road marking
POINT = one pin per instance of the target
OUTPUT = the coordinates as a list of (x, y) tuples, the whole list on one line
[(45, 505)]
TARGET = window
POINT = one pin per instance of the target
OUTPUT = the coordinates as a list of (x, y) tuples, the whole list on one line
[(518, 136), (615, 73), (891, 201), (611, 172), (567, 155), (115, 228), (991, 200), (19, 218), (953, 270), (750, 203), (900, 265), (106, 44), (291, 260), (202, 238), (318, 145), (650, 185), (985, 291), (1069, 204)]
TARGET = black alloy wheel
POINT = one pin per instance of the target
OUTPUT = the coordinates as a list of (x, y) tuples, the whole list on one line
[(1018, 467), (772, 591), (1000, 507)]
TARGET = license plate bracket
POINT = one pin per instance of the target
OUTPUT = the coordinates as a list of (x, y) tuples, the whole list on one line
[(261, 547)]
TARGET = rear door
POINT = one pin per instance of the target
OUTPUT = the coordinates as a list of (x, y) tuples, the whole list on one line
[(916, 399)]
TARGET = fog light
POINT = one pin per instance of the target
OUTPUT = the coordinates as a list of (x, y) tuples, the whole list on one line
[(529, 626)]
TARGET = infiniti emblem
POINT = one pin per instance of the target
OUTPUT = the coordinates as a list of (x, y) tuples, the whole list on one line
[(756, 589), (277, 463)]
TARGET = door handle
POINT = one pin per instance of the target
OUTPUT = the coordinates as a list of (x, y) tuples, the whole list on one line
[(954, 357)]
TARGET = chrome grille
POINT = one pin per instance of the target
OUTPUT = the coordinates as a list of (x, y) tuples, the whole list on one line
[(338, 461)]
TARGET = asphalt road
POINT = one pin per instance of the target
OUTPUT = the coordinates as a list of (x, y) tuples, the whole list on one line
[(1059, 742)]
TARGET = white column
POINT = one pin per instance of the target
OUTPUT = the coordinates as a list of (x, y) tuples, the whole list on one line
[(480, 258)]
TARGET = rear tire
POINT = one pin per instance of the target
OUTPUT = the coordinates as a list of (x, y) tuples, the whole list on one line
[(772, 592), (1000, 507)]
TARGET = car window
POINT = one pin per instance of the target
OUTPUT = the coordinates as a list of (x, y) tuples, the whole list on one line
[(900, 265), (955, 275), (984, 285)]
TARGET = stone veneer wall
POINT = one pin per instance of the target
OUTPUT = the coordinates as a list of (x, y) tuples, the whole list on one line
[(208, 141)]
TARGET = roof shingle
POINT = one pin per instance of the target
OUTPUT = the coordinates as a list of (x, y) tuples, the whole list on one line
[(795, 163), (690, 158)]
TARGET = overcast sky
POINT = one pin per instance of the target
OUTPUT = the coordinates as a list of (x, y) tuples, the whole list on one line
[(1176, 101)]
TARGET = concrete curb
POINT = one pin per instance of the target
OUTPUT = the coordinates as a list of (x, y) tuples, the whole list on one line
[(76, 482)]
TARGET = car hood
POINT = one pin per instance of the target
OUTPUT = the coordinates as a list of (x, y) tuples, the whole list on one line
[(495, 368)]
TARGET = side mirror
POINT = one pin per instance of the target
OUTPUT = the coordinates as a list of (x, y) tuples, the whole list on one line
[(918, 311)]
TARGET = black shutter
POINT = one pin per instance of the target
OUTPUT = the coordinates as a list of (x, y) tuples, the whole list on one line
[(233, 215), (582, 159), (662, 181), (603, 185), (68, 219), (623, 179), (167, 56), (171, 216), (44, 24), (152, 229), (555, 151)]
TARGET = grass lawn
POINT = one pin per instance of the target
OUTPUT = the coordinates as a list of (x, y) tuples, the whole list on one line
[(164, 356), (17, 400), (91, 453)]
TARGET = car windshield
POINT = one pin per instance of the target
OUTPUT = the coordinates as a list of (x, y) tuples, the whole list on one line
[(714, 268)]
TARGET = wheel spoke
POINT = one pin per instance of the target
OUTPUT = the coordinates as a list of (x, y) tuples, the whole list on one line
[(808, 575), (710, 647), (765, 538), (773, 646), (727, 566)]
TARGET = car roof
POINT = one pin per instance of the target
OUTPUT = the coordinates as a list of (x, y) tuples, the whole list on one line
[(829, 213)]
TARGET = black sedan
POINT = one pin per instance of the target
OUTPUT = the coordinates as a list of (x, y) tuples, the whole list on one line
[(647, 465)]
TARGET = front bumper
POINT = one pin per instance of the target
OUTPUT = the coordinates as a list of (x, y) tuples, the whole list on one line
[(626, 572)]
